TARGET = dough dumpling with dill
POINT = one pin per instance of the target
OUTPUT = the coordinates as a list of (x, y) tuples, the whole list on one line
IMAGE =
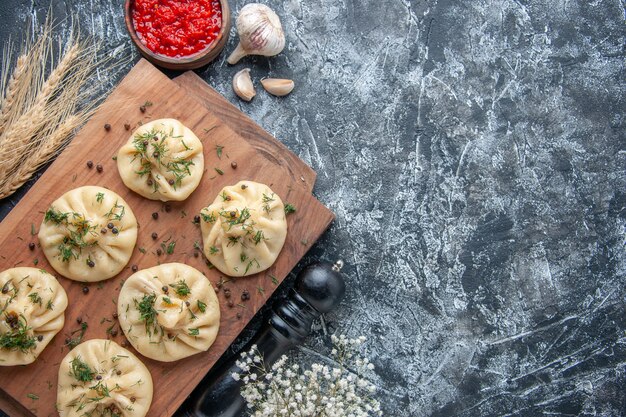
[(169, 312), (244, 229), (88, 234), (101, 378), (32, 312), (162, 160)]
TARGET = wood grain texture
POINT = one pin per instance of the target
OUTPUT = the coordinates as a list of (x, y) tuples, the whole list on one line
[(172, 381), (247, 128)]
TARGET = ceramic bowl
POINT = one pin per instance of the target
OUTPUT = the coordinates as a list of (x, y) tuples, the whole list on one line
[(196, 60)]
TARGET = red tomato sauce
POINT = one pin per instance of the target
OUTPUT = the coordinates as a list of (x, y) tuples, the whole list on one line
[(177, 28)]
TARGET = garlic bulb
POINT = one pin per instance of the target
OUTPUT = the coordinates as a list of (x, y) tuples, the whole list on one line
[(278, 87), (260, 33), (242, 85)]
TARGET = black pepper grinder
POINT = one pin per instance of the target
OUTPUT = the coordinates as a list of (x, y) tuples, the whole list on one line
[(318, 289)]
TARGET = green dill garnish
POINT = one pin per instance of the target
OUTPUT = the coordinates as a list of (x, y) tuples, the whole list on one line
[(33, 232), (49, 305), (209, 218), (243, 257), (35, 298), (187, 148), (196, 245), (33, 397), (274, 279), (289, 208), (35, 261), (168, 300), (233, 240), (253, 261), (72, 342), (266, 202), (194, 332), (183, 214), (201, 306), (147, 313), (213, 250), (260, 290), (116, 215), (81, 370), (258, 237), (19, 337), (181, 288), (169, 248), (55, 216), (99, 197), (225, 197), (219, 150), (219, 171), (142, 250), (237, 217)]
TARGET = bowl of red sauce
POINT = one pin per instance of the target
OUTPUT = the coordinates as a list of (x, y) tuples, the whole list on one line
[(178, 34)]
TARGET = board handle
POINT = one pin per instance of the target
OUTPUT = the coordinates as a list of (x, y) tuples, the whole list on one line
[(317, 290)]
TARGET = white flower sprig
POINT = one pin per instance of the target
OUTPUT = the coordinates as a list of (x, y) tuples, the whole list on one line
[(321, 391)]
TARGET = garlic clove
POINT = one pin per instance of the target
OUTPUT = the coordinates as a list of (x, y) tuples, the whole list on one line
[(242, 85), (277, 86), (260, 33)]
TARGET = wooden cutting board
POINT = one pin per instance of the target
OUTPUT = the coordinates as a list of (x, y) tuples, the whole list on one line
[(172, 381)]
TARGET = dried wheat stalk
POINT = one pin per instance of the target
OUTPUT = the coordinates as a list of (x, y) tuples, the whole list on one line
[(39, 113)]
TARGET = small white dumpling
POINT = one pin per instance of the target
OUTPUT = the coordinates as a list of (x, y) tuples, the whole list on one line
[(88, 234), (100, 378), (169, 312), (162, 160), (32, 312), (244, 229)]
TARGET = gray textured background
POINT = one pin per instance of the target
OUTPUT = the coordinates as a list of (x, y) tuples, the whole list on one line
[(474, 154)]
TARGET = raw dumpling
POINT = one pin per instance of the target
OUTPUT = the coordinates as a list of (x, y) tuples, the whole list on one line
[(162, 160), (169, 312), (88, 234), (100, 378), (32, 311), (244, 229)]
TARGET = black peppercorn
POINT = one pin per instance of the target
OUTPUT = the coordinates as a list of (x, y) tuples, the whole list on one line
[(118, 372), (155, 215), (31, 246), (245, 295), (98, 377), (238, 315), (134, 268), (233, 214), (233, 165), (155, 154), (149, 182), (110, 225), (107, 127), (187, 303), (171, 181), (115, 316), (89, 164), (114, 332), (165, 288), (167, 208), (85, 290), (99, 168), (231, 303), (196, 254), (159, 252), (5, 288), (127, 126), (79, 320), (154, 236), (103, 230), (40, 338), (145, 143), (133, 399), (115, 231), (90, 263), (142, 108), (196, 219), (244, 186)]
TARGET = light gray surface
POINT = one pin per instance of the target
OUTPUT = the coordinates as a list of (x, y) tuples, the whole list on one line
[(473, 152)]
